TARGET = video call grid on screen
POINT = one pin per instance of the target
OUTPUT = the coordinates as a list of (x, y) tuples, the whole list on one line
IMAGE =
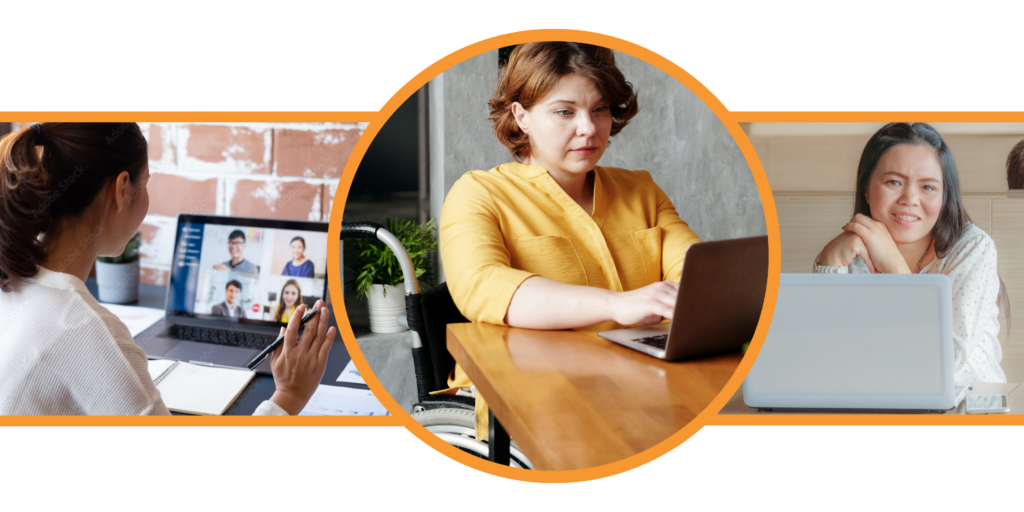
[(241, 269)]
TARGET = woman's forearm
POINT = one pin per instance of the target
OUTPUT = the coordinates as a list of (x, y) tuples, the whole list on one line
[(542, 303)]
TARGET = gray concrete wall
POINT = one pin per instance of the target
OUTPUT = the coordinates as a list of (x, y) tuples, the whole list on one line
[(676, 137), (461, 137)]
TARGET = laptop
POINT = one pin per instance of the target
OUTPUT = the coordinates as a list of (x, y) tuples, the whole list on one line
[(721, 293), (233, 284), (858, 343)]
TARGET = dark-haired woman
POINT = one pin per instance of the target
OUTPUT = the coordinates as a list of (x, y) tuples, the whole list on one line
[(552, 240), (909, 218), (299, 265), (70, 192)]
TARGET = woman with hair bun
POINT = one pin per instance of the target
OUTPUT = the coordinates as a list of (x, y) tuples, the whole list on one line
[(552, 240), (70, 192)]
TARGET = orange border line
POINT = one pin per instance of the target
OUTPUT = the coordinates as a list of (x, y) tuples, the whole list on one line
[(199, 421), (193, 117), (876, 117), (865, 419)]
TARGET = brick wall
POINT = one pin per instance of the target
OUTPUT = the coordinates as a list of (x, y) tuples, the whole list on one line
[(278, 170)]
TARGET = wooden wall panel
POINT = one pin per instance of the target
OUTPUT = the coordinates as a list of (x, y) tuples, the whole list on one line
[(829, 162), (979, 208), (806, 224), (1008, 234), (826, 163), (981, 159)]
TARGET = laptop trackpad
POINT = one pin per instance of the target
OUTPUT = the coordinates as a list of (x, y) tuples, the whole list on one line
[(210, 353)]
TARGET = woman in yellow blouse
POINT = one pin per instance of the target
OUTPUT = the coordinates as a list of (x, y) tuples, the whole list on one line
[(552, 241)]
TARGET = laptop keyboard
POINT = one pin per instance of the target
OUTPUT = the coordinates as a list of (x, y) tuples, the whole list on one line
[(218, 336), (658, 341)]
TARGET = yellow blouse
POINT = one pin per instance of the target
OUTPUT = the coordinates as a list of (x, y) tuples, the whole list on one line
[(287, 316), (500, 227)]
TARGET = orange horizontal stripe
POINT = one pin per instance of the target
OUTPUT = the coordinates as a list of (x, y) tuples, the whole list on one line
[(864, 419), (353, 117), (876, 117), (192, 117), (199, 421)]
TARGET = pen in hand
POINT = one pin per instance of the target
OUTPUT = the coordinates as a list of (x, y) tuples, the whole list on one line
[(280, 339)]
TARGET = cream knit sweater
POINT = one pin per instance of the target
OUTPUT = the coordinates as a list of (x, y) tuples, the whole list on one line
[(63, 353)]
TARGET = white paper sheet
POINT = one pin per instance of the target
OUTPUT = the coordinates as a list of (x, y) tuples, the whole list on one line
[(137, 318), (351, 374), (339, 401)]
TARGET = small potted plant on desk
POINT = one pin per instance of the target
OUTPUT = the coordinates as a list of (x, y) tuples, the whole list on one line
[(117, 277), (379, 276)]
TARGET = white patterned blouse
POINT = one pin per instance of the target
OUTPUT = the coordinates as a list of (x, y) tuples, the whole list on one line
[(971, 266)]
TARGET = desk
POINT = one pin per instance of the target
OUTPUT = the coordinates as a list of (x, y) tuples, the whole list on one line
[(1013, 391), (574, 400), (262, 387)]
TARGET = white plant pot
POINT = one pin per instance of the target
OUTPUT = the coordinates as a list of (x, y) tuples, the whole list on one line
[(118, 283), (384, 311)]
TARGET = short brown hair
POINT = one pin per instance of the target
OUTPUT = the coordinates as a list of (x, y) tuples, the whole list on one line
[(1015, 167), (534, 68)]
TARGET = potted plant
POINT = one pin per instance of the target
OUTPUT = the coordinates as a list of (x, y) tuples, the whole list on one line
[(117, 277), (379, 276)]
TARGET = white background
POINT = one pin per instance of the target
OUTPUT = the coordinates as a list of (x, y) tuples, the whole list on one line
[(304, 56)]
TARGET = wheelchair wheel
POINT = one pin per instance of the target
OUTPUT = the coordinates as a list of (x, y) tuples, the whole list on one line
[(457, 427), (447, 416)]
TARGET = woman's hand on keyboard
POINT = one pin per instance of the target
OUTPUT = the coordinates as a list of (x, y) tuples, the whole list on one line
[(298, 364), (647, 305)]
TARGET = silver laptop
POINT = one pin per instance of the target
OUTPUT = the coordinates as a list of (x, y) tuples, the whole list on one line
[(231, 279), (878, 342), (721, 293)]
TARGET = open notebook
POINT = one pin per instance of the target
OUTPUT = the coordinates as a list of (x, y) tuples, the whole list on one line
[(194, 389)]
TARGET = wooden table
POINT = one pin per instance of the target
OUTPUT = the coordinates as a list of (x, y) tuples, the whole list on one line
[(1013, 391), (574, 400)]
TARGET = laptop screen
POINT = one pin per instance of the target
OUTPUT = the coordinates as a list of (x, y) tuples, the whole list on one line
[(246, 270)]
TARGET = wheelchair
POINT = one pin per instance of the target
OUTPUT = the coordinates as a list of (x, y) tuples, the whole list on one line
[(427, 315)]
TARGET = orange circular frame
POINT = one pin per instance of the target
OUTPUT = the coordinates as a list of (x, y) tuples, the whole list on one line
[(767, 202)]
